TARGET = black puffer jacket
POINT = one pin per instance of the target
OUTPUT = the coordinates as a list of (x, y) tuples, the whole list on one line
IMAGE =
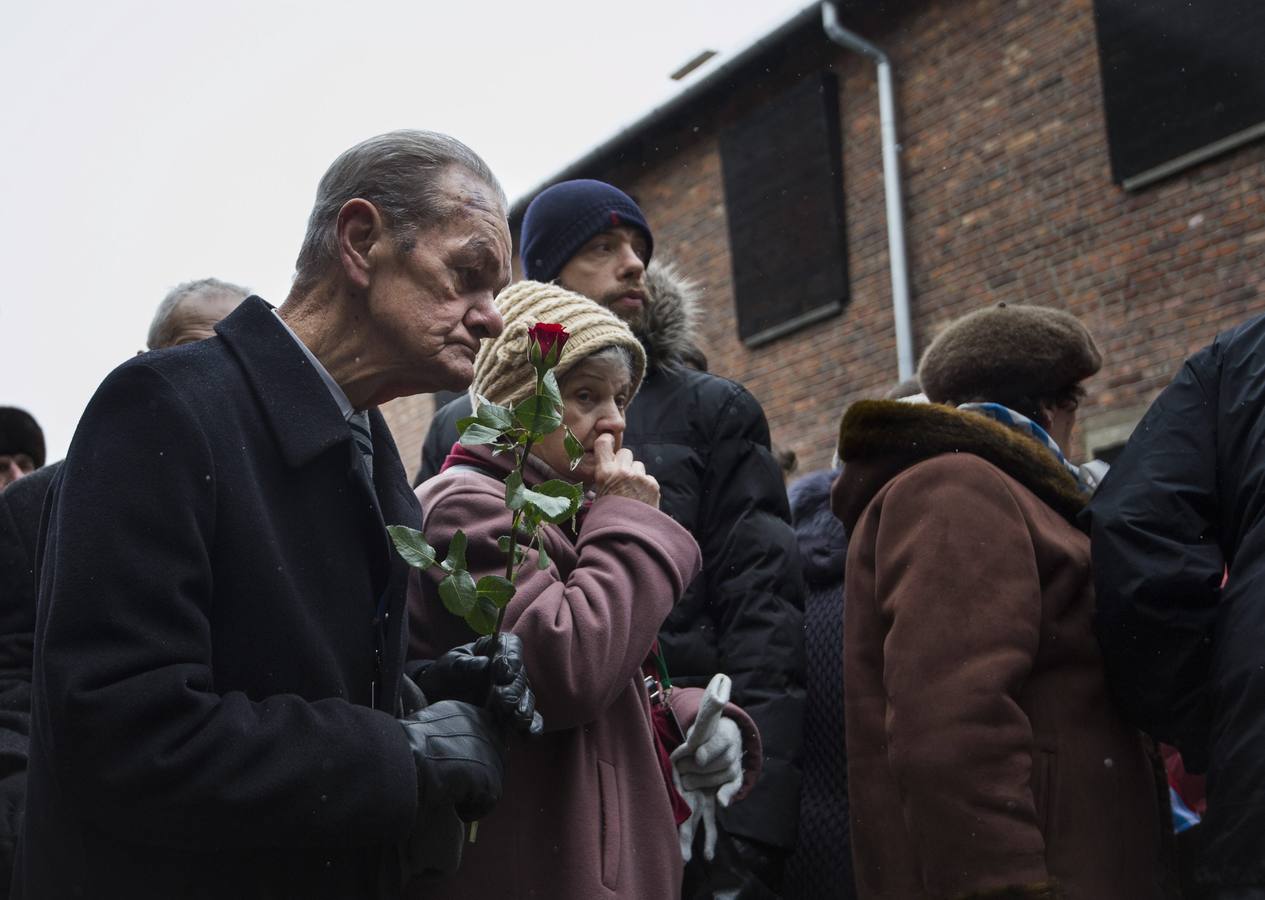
[(1184, 503), (706, 440)]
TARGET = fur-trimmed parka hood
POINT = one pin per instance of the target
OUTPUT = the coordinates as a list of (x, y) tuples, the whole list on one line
[(667, 329), (879, 439)]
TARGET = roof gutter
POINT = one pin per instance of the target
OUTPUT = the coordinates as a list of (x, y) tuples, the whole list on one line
[(897, 258)]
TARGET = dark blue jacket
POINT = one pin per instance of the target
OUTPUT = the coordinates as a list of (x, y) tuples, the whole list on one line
[(821, 866), (1185, 657), (206, 647)]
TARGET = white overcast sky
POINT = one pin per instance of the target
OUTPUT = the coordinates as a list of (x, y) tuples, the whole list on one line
[(149, 143)]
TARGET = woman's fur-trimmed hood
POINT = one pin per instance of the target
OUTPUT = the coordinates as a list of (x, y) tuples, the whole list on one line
[(667, 329), (879, 439)]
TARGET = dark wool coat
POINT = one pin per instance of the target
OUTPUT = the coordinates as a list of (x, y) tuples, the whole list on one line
[(821, 866), (20, 505), (983, 751), (205, 648), (707, 442), (1182, 504), (585, 815)]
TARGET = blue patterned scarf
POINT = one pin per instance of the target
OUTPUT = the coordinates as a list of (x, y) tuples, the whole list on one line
[(1021, 423)]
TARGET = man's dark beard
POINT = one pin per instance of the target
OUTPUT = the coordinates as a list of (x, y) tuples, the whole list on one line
[(637, 319)]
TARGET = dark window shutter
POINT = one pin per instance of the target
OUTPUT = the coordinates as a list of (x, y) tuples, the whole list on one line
[(784, 202), (1182, 81)]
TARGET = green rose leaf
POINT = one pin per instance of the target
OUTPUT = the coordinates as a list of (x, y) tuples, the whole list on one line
[(412, 546), (542, 556), (550, 386), (496, 588), (539, 415), (477, 433), (515, 493), (458, 593), (456, 553), (575, 450), (505, 544), (494, 416), (482, 616), (555, 500)]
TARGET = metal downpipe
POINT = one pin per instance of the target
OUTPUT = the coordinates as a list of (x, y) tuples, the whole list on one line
[(897, 258)]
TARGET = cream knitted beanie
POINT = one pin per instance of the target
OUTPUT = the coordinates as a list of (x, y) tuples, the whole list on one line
[(502, 372)]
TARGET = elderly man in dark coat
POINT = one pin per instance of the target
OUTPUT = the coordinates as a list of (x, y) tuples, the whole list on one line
[(219, 645)]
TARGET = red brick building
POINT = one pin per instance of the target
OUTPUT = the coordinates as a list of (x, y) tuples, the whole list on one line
[(1012, 191)]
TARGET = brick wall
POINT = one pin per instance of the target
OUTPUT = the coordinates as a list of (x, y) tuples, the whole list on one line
[(408, 419), (1008, 196)]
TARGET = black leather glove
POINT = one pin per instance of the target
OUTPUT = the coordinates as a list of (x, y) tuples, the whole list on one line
[(459, 759), (487, 673)]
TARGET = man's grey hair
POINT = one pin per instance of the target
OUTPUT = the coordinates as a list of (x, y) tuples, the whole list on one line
[(399, 173), (162, 328)]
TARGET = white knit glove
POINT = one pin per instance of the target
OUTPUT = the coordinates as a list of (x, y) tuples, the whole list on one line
[(708, 766)]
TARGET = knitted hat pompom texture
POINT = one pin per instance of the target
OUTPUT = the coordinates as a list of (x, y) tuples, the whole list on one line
[(564, 217), (502, 371), (1030, 350)]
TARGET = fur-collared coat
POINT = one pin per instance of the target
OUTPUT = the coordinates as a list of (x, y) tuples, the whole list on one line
[(984, 756)]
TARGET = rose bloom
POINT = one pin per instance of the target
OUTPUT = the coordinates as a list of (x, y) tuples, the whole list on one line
[(545, 338)]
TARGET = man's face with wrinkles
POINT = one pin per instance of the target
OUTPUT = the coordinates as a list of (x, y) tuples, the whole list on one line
[(433, 301)]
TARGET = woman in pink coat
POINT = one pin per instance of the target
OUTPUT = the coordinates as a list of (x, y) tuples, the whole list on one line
[(589, 809)]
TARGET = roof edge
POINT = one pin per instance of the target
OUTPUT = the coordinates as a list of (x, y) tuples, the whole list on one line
[(671, 107)]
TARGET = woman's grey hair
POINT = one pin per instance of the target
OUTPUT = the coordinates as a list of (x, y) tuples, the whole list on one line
[(162, 328), (612, 353), (398, 172)]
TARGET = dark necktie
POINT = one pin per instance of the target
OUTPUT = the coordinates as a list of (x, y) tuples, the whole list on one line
[(359, 422)]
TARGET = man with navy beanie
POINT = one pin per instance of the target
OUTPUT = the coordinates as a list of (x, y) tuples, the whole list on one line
[(706, 440), (562, 219)]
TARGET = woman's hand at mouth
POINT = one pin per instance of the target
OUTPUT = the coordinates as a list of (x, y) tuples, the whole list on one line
[(620, 475)]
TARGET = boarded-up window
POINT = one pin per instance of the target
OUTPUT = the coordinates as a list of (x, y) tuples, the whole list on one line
[(784, 202), (1182, 81)]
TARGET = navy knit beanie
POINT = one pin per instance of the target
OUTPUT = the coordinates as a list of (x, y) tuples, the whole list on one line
[(562, 219)]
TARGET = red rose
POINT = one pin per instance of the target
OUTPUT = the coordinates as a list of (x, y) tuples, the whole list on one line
[(545, 343)]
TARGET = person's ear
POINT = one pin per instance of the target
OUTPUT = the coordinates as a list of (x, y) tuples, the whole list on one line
[(360, 228)]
